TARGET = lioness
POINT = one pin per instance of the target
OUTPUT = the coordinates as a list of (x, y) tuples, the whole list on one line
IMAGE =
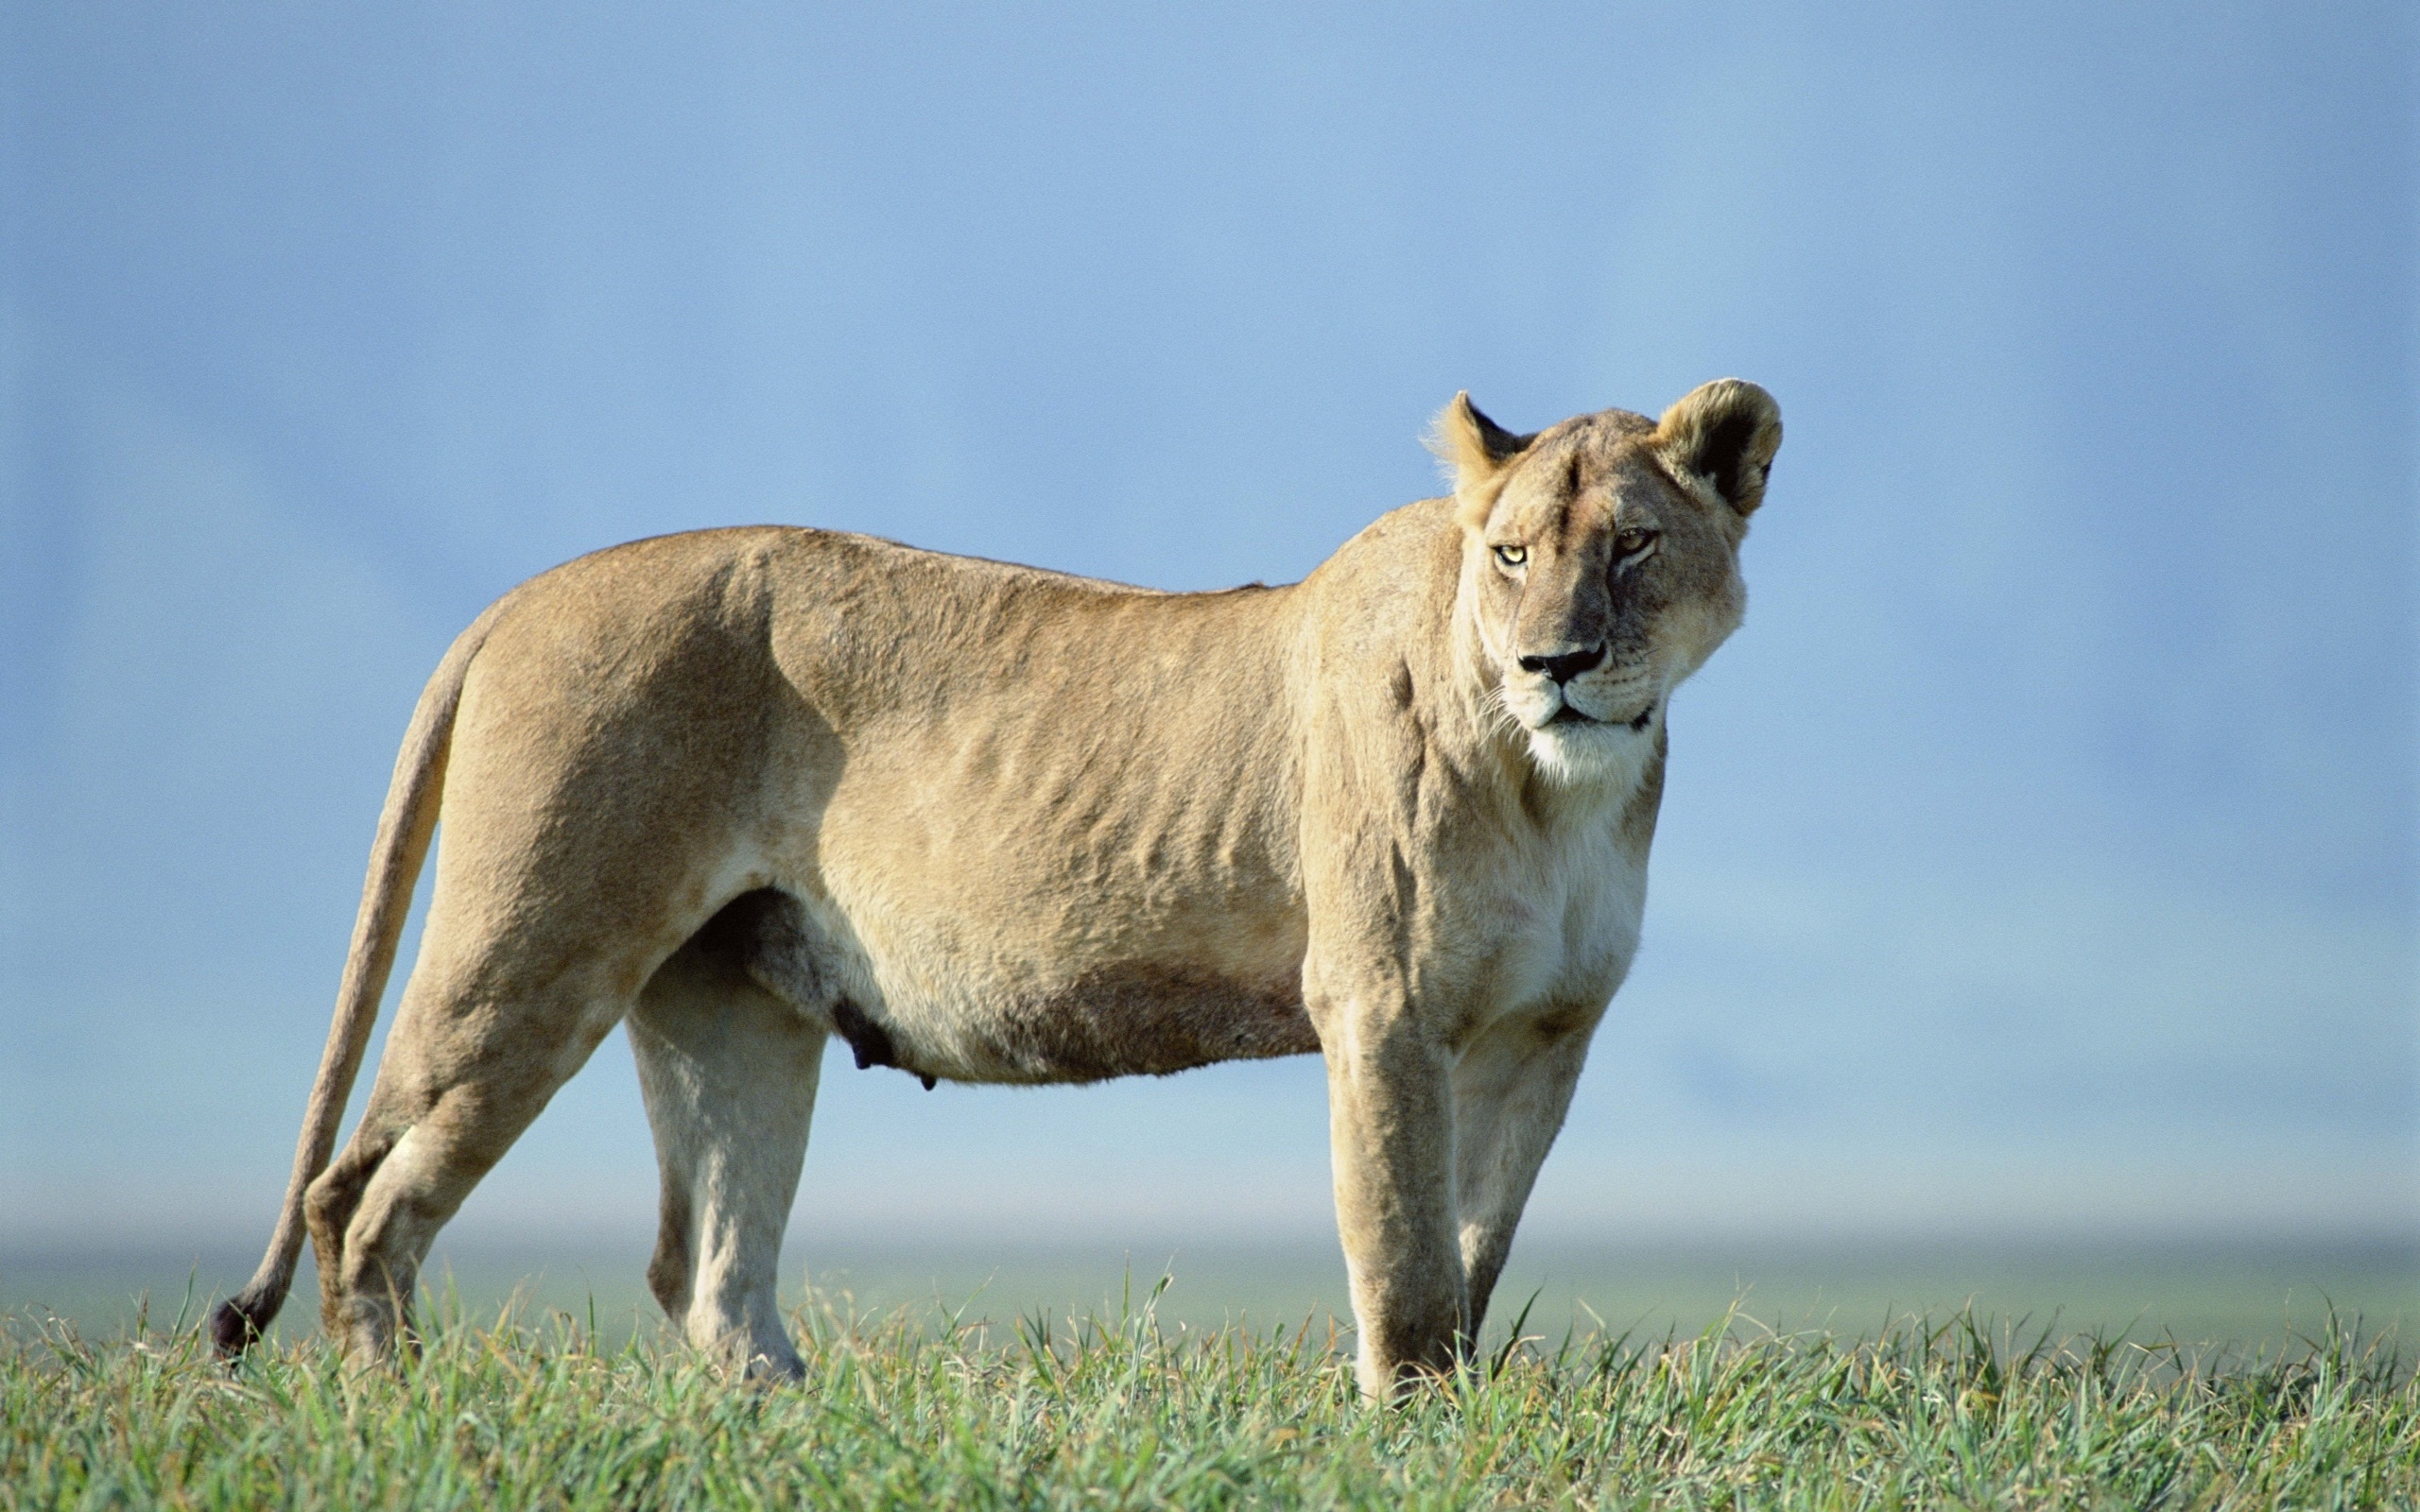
[(744, 790)]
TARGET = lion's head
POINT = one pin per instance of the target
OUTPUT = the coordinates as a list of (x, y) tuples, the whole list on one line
[(1601, 562)]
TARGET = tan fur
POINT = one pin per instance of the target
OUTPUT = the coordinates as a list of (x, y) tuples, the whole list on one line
[(744, 790)]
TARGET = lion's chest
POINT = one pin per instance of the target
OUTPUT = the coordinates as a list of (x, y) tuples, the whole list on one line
[(1557, 930)]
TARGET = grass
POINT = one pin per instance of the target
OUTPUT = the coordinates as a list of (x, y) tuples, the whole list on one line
[(914, 1408)]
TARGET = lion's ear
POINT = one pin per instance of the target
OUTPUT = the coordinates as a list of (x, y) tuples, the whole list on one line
[(1725, 432), (1473, 447)]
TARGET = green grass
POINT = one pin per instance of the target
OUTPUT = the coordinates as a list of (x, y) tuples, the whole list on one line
[(909, 1409)]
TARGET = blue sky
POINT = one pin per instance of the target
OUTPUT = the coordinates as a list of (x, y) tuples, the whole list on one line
[(2040, 853)]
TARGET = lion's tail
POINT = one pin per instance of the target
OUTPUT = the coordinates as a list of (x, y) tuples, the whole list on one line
[(404, 828)]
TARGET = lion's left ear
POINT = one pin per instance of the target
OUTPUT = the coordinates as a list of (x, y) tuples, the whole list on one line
[(1725, 432)]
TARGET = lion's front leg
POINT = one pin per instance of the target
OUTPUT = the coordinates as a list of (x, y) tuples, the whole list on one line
[(1391, 1136), (1512, 1089)]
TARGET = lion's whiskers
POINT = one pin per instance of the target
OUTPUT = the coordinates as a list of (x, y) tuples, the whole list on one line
[(1500, 713)]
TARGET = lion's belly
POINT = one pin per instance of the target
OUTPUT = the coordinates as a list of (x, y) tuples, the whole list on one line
[(1005, 994), (1137, 1017), (989, 1018)]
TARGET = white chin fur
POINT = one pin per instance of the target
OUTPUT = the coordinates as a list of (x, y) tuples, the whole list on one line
[(1594, 755)]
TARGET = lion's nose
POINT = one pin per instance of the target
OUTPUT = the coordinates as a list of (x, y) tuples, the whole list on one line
[(1565, 665)]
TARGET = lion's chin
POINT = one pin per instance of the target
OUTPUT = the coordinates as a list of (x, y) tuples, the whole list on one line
[(1572, 749)]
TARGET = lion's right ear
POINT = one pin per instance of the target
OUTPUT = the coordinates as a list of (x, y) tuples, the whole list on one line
[(1476, 451)]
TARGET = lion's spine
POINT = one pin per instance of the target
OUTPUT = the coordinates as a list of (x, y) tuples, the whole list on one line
[(406, 826)]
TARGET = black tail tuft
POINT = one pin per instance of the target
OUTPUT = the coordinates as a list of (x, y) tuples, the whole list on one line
[(236, 1326)]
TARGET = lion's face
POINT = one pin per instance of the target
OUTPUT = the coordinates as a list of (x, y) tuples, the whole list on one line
[(1602, 562)]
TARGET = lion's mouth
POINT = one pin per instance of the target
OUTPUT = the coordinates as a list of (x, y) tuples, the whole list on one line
[(1568, 715)]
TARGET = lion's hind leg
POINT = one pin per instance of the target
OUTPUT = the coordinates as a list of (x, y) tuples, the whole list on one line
[(729, 1072), (470, 1064)]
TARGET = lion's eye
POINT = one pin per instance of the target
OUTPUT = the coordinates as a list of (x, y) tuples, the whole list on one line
[(1630, 543), (1511, 556)]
